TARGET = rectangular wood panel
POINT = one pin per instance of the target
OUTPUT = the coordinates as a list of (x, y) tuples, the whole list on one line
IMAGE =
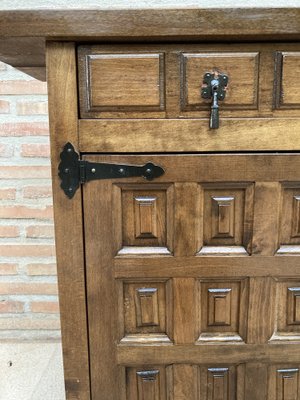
[(241, 69), (287, 89), (114, 82)]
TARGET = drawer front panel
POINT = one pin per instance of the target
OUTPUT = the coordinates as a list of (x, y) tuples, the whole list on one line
[(241, 69), (111, 83), (287, 86)]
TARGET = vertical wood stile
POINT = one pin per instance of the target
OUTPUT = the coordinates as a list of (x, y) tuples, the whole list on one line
[(62, 89)]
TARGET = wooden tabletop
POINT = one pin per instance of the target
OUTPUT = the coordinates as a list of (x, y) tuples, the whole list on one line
[(23, 32)]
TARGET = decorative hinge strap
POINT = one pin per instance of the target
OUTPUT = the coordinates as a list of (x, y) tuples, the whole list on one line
[(73, 171)]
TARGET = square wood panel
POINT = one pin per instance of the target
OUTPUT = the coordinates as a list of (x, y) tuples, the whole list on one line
[(227, 218), (151, 383), (287, 88), (222, 310), (287, 311), (146, 311), (284, 382), (195, 65), (221, 382), (144, 224)]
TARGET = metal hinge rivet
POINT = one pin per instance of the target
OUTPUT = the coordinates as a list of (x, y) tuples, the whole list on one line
[(121, 170), (93, 170)]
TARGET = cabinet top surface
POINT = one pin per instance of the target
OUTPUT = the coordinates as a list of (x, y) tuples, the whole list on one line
[(26, 25)]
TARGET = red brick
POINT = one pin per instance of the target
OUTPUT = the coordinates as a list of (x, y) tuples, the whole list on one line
[(23, 87), (25, 212), (40, 269), (24, 129), (8, 269), (35, 150), (9, 231), (6, 150), (25, 172), (7, 194), (32, 108), (7, 306), (29, 323), (46, 307), (19, 288), (40, 231), (4, 107), (27, 250), (36, 192)]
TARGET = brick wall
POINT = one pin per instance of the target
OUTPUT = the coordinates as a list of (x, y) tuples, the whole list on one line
[(28, 284)]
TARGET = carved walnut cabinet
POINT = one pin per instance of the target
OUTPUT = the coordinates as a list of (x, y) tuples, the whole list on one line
[(176, 173)]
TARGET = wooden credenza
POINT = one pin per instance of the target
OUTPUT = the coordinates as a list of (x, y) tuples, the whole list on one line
[(178, 245)]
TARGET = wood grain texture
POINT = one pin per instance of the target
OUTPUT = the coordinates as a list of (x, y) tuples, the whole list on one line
[(25, 54), (197, 23), (69, 236), (186, 135), (224, 354), (159, 81), (242, 72)]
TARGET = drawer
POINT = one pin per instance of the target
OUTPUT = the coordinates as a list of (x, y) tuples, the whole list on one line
[(132, 95), (165, 81)]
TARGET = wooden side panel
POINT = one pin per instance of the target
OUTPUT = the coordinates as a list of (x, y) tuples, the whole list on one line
[(242, 71), (62, 89)]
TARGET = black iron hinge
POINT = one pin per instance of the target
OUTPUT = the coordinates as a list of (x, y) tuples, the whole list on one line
[(73, 171)]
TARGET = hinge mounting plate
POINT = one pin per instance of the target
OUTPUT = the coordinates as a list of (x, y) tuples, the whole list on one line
[(73, 171)]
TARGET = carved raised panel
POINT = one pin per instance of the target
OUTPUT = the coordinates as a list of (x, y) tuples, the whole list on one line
[(287, 88), (293, 306), (220, 382), (219, 307), (227, 219), (290, 220), (147, 311), (222, 310), (240, 94), (296, 217), (288, 311), (287, 384), (146, 219), (146, 303), (223, 217), (120, 82), (146, 384)]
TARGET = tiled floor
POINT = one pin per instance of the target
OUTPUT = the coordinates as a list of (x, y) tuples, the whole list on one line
[(31, 371)]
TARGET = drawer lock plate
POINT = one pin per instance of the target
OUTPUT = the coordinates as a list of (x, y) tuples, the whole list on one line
[(73, 171), (214, 87)]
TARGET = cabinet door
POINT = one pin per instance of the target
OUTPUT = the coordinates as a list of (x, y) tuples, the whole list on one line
[(193, 282)]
